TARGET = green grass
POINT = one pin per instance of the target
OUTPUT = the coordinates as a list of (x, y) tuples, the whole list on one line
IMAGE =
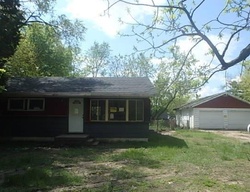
[(185, 161), (41, 178)]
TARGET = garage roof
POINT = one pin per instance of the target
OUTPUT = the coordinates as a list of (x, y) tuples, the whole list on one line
[(204, 100)]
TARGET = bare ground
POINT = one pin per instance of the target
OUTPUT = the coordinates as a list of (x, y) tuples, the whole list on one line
[(99, 174), (242, 136)]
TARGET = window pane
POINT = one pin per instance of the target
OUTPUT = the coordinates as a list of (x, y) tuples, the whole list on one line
[(140, 110), (16, 104), (36, 104), (98, 110), (117, 110), (132, 110), (136, 110)]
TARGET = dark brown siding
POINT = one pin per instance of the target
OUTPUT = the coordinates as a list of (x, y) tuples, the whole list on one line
[(87, 110), (48, 123), (53, 107), (225, 101), (117, 130), (53, 121), (57, 106), (23, 126)]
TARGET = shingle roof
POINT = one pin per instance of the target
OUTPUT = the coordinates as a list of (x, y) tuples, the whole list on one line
[(70, 86)]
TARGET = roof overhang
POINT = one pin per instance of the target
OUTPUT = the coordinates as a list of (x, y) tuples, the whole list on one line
[(76, 94)]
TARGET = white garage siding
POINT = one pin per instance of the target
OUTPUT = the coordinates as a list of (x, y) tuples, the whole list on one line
[(211, 119), (220, 111), (184, 118), (238, 119)]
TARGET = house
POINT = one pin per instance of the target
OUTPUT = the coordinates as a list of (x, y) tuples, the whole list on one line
[(103, 107), (220, 111)]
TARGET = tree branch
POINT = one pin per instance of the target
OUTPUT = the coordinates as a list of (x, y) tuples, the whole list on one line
[(241, 57), (172, 27)]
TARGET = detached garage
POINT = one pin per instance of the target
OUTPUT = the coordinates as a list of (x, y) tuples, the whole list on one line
[(220, 111)]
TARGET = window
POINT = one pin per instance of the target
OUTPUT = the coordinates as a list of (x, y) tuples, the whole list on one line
[(17, 104), (117, 110), (136, 110), (98, 108), (35, 104)]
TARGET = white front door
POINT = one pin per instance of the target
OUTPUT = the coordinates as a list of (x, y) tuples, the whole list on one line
[(75, 115)]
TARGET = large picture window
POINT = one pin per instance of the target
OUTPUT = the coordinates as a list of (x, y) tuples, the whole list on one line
[(32, 104), (116, 110)]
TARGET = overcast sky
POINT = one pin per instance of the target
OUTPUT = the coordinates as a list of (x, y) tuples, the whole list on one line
[(105, 28)]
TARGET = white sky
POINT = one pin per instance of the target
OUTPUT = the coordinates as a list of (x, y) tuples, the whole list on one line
[(105, 28), (93, 11)]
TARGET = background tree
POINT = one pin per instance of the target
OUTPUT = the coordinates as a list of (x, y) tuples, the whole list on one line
[(11, 19), (96, 59), (175, 82), (2, 72), (116, 65), (41, 53), (43, 11), (139, 66), (244, 86), (134, 65), (15, 14), (174, 20), (241, 88)]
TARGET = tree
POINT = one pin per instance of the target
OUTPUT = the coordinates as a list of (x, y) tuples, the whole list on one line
[(135, 65), (244, 86), (41, 53), (175, 20), (175, 82), (139, 66), (43, 11), (241, 88), (11, 19), (2, 72), (15, 14), (96, 59), (116, 65)]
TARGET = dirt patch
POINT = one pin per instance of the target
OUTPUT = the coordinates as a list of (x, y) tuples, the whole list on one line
[(243, 136)]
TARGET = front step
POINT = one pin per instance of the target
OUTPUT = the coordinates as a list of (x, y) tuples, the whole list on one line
[(75, 139)]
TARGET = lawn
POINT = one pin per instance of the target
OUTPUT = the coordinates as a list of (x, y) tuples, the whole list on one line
[(183, 161)]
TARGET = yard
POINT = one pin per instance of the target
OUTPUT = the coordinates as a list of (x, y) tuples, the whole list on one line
[(182, 160)]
